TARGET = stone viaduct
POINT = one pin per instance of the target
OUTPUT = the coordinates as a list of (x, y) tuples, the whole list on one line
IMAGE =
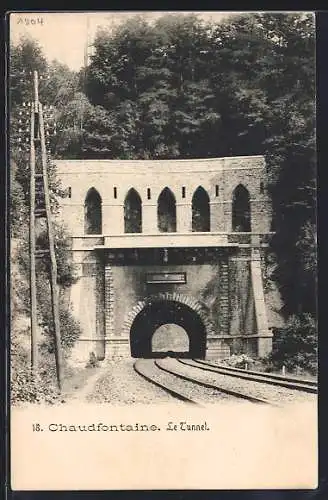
[(159, 242)]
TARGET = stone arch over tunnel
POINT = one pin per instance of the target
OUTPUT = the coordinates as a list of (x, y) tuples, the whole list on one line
[(149, 315)]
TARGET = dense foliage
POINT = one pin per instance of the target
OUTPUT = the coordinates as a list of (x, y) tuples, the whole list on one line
[(296, 345), (179, 88)]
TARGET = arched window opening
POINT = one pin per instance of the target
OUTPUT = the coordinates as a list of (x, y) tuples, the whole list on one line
[(92, 213), (166, 212), (241, 213), (132, 212), (200, 211)]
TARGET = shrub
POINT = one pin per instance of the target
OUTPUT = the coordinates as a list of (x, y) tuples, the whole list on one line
[(28, 390), (239, 360), (295, 346), (25, 388), (70, 329)]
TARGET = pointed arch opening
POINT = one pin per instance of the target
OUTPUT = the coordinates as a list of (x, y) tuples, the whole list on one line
[(92, 212), (166, 212), (132, 212), (241, 212), (200, 211)]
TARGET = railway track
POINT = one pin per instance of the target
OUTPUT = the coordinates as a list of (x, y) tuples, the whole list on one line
[(266, 378), (149, 370)]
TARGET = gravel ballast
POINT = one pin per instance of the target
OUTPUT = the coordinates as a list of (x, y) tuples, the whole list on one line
[(121, 385), (272, 393), (193, 391)]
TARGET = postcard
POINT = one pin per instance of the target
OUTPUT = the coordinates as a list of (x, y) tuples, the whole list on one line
[(163, 250)]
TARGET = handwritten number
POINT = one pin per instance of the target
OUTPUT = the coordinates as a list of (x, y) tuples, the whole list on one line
[(27, 21)]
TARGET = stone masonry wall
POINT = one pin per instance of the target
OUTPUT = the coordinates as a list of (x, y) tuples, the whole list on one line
[(105, 293), (132, 279), (113, 179)]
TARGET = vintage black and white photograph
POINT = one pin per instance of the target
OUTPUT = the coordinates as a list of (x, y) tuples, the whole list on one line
[(163, 232)]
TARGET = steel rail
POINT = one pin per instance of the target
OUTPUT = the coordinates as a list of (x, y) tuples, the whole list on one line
[(149, 377), (236, 394), (266, 378)]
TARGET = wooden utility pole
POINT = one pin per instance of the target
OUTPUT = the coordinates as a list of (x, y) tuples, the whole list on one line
[(53, 263), (40, 207), (34, 344)]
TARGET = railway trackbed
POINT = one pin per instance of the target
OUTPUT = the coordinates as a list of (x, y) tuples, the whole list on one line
[(179, 385), (147, 369), (266, 378)]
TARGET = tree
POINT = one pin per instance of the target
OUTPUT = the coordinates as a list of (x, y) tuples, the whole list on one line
[(295, 345), (25, 58)]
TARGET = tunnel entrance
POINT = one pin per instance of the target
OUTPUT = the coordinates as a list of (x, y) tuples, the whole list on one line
[(154, 332)]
